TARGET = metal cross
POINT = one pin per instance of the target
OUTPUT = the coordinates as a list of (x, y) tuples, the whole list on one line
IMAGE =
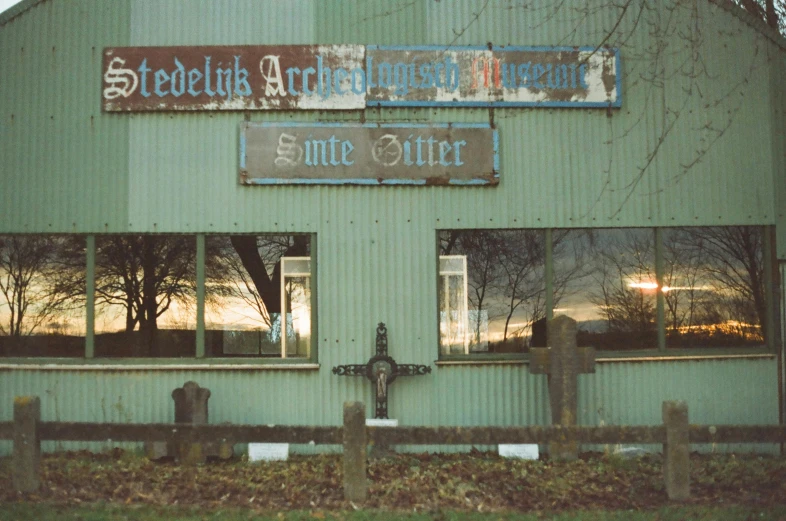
[(381, 370)]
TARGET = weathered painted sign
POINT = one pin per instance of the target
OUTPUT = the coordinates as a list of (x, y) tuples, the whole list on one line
[(352, 77), (500, 76), (368, 154), (234, 78)]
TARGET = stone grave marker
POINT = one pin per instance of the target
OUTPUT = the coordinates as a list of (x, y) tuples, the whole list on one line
[(562, 362), (190, 407)]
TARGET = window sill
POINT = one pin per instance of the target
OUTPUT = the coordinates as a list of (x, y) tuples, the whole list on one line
[(670, 355), (156, 364), (644, 355), (484, 359)]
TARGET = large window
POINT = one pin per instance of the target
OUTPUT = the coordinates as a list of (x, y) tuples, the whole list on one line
[(714, 287), (491, 290), (609, 286), (42, 296), (661, 290), (156, 296), (259, 296), (145, 296)]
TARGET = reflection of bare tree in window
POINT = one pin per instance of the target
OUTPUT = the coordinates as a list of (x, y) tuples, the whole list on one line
[(482, 249), (623, 266), (727, 288), (33, 284), (505, 279), (523, 288), (248, 267), (682, 280), (571, 253), (260, 258), (145, 275)]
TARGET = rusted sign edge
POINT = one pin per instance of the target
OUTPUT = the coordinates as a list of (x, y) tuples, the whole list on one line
[(489, 180)]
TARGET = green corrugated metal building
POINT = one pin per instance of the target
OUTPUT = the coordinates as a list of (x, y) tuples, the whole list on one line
[(692, 154)]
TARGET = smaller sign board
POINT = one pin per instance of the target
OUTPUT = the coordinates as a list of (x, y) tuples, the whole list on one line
[(268, 451), (368, 154), (519, 451)]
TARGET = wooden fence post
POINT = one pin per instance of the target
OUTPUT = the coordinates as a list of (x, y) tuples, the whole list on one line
[(676, 451), (27, 443), (355, 484)]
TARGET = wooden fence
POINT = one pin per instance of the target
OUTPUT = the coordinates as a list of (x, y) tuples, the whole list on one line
[(676, 434)]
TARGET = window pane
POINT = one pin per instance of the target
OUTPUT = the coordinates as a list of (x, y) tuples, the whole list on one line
[(248, 279), (605, 280), (145, 296), (490, 305), (42, 296), (714, 286)]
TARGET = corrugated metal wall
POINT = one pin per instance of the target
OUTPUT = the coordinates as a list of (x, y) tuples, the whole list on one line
[(159, 172), (617, 394), (64, 164), (67, 167)]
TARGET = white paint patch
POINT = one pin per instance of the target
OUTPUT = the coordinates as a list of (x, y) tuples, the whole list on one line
[(520, 451), (268, 452), (381, 422)]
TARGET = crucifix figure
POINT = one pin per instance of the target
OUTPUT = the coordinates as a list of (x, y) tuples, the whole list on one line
[(381, 370), (562, 362)]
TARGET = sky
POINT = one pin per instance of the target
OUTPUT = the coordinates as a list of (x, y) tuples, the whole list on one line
[(5, 4)]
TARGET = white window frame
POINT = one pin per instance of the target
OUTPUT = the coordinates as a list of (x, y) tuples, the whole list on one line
[(283, 315), (444, 275)]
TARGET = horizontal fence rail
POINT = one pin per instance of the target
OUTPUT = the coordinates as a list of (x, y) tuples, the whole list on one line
[(332, 435), (737, 433), (497, 435), (185, 432), (676, 434)]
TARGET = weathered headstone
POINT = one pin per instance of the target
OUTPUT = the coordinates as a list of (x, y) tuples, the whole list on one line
[(562, 362), (190, 407)]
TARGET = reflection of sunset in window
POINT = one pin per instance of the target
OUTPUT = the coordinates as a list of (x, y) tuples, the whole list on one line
[(258, 296)]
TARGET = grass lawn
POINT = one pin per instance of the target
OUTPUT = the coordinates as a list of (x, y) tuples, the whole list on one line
[(102, 512)]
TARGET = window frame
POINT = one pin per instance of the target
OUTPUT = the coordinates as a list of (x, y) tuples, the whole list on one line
[(199, 360), (658, 352)]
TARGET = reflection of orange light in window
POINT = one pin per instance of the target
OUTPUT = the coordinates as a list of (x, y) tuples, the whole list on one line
[(643, 285)]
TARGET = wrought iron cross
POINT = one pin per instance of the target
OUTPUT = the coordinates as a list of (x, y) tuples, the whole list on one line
[(381, 370)]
